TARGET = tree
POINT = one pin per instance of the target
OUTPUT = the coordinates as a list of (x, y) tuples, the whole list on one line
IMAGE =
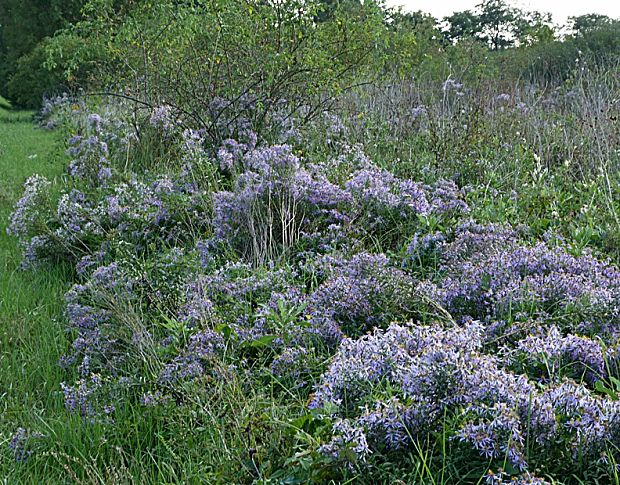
[(218, 61), (534, 28), (419, 29), (328, 9), (461, 25), (497, 23), (597, 35), (585, 24), (25, 23)]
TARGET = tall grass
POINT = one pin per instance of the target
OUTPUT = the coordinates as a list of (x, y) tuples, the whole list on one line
[(573, 122), (557, 146)]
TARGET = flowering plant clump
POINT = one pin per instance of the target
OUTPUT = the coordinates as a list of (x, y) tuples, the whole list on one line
[(273, 202), (135, 212), (208, 257), (28, 220), (88, 397), (163, 118), (365, 292), (55, 110), (99, 145), (382, 191), (94, 314), (91, 156), (276, 202), (234, 307), (400, 385), (550, 355), (501, 478), (489, 272)]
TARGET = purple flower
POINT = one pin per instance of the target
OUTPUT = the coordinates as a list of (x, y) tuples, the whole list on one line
[(489, 272), (22, 443), (452, 85), (25, 217), (403, 383), (163, 118)]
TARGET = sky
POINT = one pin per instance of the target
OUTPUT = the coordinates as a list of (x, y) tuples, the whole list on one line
[(560, 9)]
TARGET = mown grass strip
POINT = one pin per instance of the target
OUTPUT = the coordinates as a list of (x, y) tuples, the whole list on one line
[(31, 331)]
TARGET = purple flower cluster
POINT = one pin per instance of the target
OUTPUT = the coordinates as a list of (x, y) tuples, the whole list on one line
[(81, 397), (134, 212), (551, 355), (301, 327), (402, 383), (231, 153), (99, 144), (365, 292), (276, 202), (452, 85), (194, 359), (502, 478), (45, 235), (387, 204), (348, 444), (91, 153), (145, 212), (380, 188), (22, 442), (424, 250), (419, 111), (26, 218), (233, 118), (53, 111), (93, 312), (236, 295), (162, 118), (491, 272)]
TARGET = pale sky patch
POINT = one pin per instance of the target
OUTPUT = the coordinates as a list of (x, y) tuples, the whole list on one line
[(560, 9)]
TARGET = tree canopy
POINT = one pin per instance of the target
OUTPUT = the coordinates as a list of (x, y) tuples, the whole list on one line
[(49, 46)]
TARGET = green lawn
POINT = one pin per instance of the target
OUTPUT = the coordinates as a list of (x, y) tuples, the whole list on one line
[(31, 331)]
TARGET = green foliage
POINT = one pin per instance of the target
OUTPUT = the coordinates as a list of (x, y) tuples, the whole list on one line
[(534, 28), (612, 390), (192, 54), (588, 23), (24, 25), (498, 25), (422, 33), (461, 25), (31, 81)]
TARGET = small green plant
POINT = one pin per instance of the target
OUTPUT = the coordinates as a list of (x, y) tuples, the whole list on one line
[(611, 388)]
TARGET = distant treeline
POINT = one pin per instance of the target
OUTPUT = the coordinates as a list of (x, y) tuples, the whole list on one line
[(152, 47)]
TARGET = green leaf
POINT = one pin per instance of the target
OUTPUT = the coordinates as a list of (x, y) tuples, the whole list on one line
[(225, 330), (302, 421), (605, 390), (263, 341)]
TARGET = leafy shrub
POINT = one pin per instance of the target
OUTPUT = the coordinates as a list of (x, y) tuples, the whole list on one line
[(31, 81)]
